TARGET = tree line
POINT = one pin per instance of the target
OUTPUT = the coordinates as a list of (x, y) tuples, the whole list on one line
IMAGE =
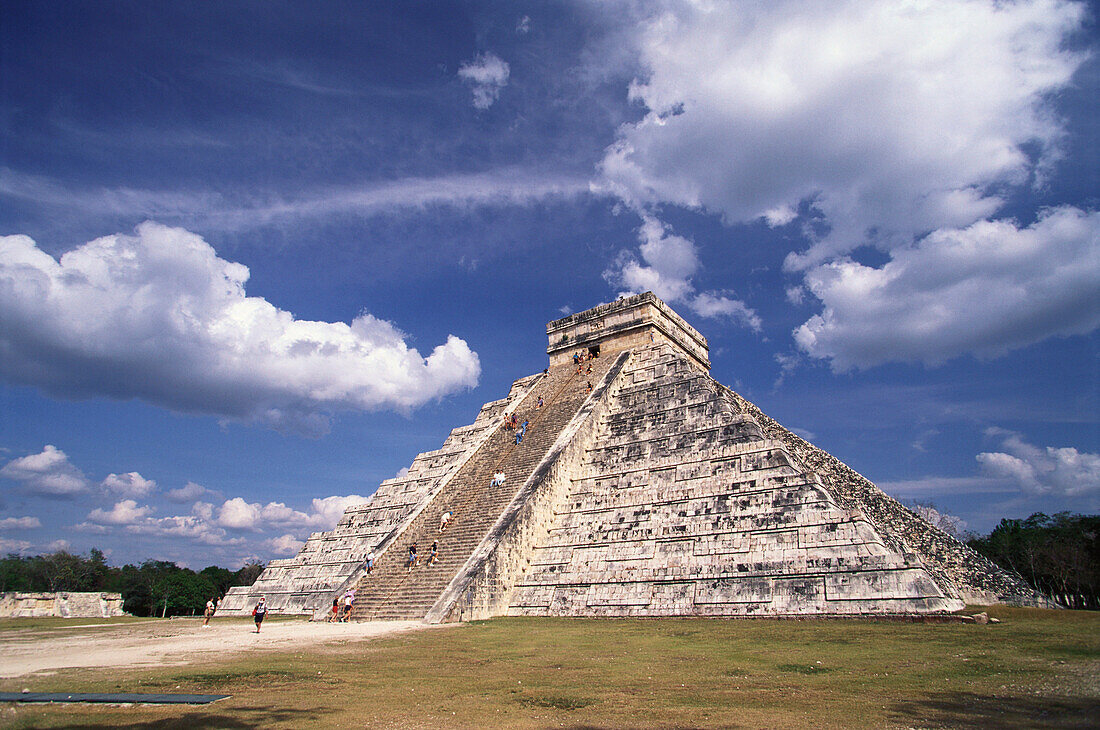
[(1057, 554), (153, 588)]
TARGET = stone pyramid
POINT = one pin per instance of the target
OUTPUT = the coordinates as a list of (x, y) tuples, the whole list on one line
[(643, 487)]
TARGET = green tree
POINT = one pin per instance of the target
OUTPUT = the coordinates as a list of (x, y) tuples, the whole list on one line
[(67, 572), (16, 574), (220, 578), (1059, 554), (248, 574), (180, 592)]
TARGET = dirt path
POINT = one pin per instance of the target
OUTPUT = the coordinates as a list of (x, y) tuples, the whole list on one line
[(179, 641)]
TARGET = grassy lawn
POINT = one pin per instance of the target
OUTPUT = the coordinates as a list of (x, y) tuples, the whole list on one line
[(50, 625), (38, 624), (1038, 669)]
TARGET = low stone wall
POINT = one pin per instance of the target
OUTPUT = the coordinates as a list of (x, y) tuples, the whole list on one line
[(63, 604)]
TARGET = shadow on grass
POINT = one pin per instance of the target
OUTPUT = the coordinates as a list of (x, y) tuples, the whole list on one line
[(967, 709), (237, 718)]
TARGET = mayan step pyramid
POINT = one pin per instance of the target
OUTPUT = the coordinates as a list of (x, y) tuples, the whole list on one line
[(642, 487)]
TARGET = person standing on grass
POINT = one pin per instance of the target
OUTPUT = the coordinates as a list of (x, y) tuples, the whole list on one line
[(259, 612)]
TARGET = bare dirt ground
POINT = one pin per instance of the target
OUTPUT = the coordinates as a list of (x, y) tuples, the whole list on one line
[(174, 642)]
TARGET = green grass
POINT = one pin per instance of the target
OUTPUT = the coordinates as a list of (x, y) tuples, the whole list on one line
[(49, 626), (1038, 669), (13, 624)]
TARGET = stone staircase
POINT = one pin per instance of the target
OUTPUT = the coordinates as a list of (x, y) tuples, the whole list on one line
[(391, 590)]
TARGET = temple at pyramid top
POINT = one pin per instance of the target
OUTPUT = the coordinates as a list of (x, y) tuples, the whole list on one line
[(629, 484), (633, 321)]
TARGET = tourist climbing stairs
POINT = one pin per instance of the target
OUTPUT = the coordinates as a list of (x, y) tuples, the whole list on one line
[(392, 590)]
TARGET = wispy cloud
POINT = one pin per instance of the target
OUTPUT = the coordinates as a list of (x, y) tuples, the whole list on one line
[(217, 211), (933, 486), (487, 75)]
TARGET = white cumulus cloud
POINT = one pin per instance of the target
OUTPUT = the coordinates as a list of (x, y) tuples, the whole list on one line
[(888, 116), (285, 544), (883, 120), (14, 546), (125, 512), (668, 263), (1063, 471), (188, 527), (324, 513), (19, 523), (238, 514), (188, 493), (711, 304), (48, 473), (130, 484), (984, 289), (487, 75), (159, 316)]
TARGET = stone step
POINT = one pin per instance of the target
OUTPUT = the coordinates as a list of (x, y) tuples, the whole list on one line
[(391, 590)]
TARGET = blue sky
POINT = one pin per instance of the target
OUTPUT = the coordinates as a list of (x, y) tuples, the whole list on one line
[(254, 257)]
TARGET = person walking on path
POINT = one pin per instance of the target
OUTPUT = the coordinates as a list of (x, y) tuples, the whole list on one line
[(259, 612), (335, 610), (349, 599), (210, 605)]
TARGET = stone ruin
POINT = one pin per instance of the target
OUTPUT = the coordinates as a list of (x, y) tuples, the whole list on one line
[(64, 604), (643, 487)]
